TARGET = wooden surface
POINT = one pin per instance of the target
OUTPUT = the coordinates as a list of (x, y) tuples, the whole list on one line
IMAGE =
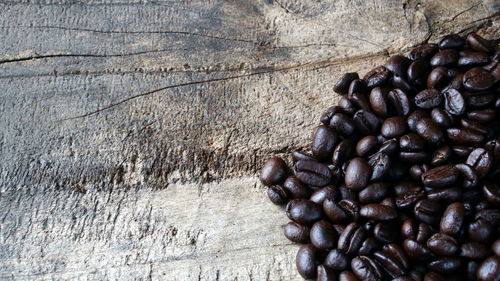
[(131, 131)]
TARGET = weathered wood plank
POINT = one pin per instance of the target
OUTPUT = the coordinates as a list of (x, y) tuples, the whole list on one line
[(131, 131)]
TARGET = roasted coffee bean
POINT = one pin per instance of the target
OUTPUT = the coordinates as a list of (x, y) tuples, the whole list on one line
[(478, 43), (471, 269), (440, 176), (474, 126), (342, 151), (347, 106), (428, 211), (357, 86), (453, 41), (400, 102), (351, 238), (445, 57), (398, 65), (351, 207), (373, 192), (470, 178), (461, 152), (441, 117), (478, 79), (313, 173), (357, 174), (474, 250), (481, 231), (378, 212), (482, 115), (414, 117), (470, 58), (454, 102), (428, 98), (445, 264), (433, 276), (366, 269), (328, 114), (326, 192), (441, 156), (379, 101), (334, 211), (489, 269), (415, 250), (413, 157), (366, 121), (423, 52), (360, 100), (417, 72), (366, 145), (430, 131), (273, 171), (393, 127), (481, 161), (296, 232), (303, 211), (491, 193), (392, 260), (465, 136), (377, 76), (325, 274), (411, 142), (324, 140), (297, 156), (496, 247), (492, 216), (295, 188), (337, 260), (277, 194), (453, 219), (480, 101), (389, 147), (493, 147), (386, 232), (380, 164), (307, 261), (323, 236), (437, 77), (342, 85), (403, 84), (448, 194), (442, 244), (347, 276), (368, 246)]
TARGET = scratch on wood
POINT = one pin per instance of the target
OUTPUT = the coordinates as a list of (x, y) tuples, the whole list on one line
[(464, 11)]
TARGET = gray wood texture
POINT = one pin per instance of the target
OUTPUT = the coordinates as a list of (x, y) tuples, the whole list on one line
[(131, 131)]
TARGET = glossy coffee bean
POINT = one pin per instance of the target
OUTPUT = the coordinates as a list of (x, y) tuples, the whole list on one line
[(323, 236), (482, 115), (445, 265), (367, 122), (277, 194), (478, 79), (454, 102), (440, 176), (480, 231), (326, 116), (429, 131), (414, 117), (297, 156), (325, 274), (357, 86), (417, 73), (369, 246), (342, 152), (411, 142), (469, 175), (351, 238), (366, 268), (415, 250), (386, 232), (398, 65), (471, 58), (377, 76), (453, 219), (489, 269), (491, 193), (453, 41), (324, 140), (442, 244), (423, 52), (437, 78), (320, 195), (428, 98), (400, 102), (481, 161), (441, 156), (379, 101), (366, 146), (342, 85), (428, 211), (347, 106), (307, 261), (357, 174), (474, 250), (337, 260), (441, 117), (303, 211), (496, 247), (378, 212), (478, 43), (296, 232), (295, 188), (433, 276), (374, 192), (393, 127), (466, 137), (312, 173), (360, 100), (273, 171), (445, 57), (347, 276)]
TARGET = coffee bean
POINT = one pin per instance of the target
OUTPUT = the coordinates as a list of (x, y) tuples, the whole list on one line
[(366, 145), (357, 174), (325, 274), (471, 58), (342, 85), (400, 102), (496, 247), (386, 232), (445, 264), (440, 176), (451, 41), (414, 117), (430, 131), (303, 211), (465, 136), (346, 106), (368, 246), (342, 152), (428, 98), (428, 211), (481, 161), (411, 142), (437, 77), (296, 232), (312, 173), (441, 156), (452, 219), (445, 57), (482, 115), (347, 276), (478, 79), (474, 250), (273, 171), (366, 269), (323, 235), (380, 164), (492, 193), (378, 212), (442, 244), (295, 188), (433, 276), (379, 101), (351, 207), (393, 127), (337, 260), (366, 121), (277, 194), (323, 142), (441, 117), (478, 43), (474, 126), (481, 231), (373, 192), (360, 100), (357, 86), (470, 178), (297, 156), (415, 250), (392, 259), (417, 72), (489, 270), (320, 195), (377, 76), (307, 261), (351, 238), (454, 102), (398, 65), (389, 147), (334, 211)]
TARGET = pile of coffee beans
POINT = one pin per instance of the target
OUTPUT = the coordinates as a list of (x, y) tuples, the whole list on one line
[(402, 181)]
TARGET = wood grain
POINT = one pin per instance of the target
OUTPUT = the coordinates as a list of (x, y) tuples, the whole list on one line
[(131, 131)]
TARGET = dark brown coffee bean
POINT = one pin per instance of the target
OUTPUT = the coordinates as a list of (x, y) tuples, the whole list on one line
[(334, 211), (417, 73), (368, 246), (378, 212), (452, 219), (478, 43), (482, 115), (471, 269), (397, 65), (481, 231), (474, 126), (389, 147), (380, 164), (393, 127), (273, 171), (415, 250), (323, 236), (449, 194), (400, 82), (366, 145), (480, 101), (400, 102), (445, 57), (328, 114), (493, 147), (470, 58), (430, 131), (357, 174), (307, 261), (392, 260), (491, 193), (367, 122), (453, 41), (465, 136), (296, 232), (489, 269), (470, 178), (492, 216), (366, 269), (346, 106), (423, 52), (313, 173), (351, 238), (414, 117), (342, 85), (440, 176), (441, 156), (360, 100), (297, 156), (351, 207), (357, 86), (441, 117), (474, 250), (454, 102), (337, 260), (277, 194), (418, 157), (373, 192), (481, 161), (322, 194), (445, 264), (478, 79), (433, 276), (411, 142), (428, 211), (295, 188), (437, 77), (342, 152), (461, 152), (428, 98), (347, 276), (377, 76), (379, 101), (386, 232), (442, 244), (325, 274), (324, 140), (303, 211)]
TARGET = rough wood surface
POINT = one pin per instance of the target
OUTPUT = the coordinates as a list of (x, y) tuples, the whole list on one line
[(131, 131)]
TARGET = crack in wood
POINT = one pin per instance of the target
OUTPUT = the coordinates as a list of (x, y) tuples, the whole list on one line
[(464, 11)]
